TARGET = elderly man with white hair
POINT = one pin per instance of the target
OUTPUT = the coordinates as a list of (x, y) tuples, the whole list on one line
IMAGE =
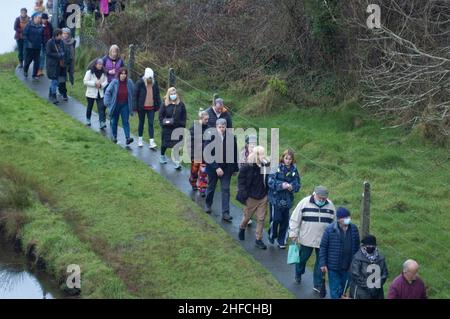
[(408, 284)]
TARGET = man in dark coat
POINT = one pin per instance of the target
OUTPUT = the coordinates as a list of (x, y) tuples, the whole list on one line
[(220, 155), (34, 39), (55, 62), (339, 244), (369, 271), (218, 111)]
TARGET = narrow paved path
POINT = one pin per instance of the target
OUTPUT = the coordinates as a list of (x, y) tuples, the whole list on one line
[(273, 259)]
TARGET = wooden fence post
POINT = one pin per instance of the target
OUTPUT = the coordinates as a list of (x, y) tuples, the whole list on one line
[(55, 14), (365, 211), (172, 78), (131, 59)]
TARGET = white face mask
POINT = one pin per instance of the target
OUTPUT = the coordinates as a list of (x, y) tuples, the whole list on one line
[(173, 97), (347, 221)]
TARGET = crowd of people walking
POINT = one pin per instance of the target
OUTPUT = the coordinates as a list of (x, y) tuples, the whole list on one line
[(355, 268)]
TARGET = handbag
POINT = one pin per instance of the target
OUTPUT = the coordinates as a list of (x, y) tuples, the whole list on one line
[(293, 255), (169, 121), (61, 62)]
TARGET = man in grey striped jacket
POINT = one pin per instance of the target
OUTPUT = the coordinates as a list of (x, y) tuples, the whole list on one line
[(306, 227)]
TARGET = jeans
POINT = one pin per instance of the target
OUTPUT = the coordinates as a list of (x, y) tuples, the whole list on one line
[(337, 281), (32, 55), (121, 110), (42, 58), (53, 86), (225, 189), (100, 108), (279, 223), (305, 252), (21, 49), (150, 118)]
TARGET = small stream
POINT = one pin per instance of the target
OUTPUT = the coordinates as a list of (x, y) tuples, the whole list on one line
[(18, 281)]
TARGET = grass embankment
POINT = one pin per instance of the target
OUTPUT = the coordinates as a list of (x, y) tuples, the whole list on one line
[(342, 146), (132, 233)]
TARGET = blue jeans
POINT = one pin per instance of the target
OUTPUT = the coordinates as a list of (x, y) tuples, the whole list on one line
[(42, 58), (279, 223), (53, 86), (305, 252), (336, 282), (121, 110)]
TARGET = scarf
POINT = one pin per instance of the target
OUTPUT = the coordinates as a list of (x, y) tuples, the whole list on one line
[(98, 73), (372, 257)]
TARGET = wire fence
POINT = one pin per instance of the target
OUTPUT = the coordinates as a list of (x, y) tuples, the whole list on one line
[(414, 218)]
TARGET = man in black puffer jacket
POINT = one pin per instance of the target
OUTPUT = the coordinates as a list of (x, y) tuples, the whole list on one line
[(33, 35)]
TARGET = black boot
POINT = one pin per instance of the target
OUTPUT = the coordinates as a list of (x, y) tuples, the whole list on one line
[(54, 99), (241, 234)]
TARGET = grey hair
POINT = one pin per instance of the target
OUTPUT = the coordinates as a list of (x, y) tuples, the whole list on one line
[(221, 122), (407, 264), (218, 101), (202, 112)]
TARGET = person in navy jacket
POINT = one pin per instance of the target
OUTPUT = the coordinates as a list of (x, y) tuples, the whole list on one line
[(339, 244)]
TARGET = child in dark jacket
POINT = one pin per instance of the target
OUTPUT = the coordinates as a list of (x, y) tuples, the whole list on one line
[(199, 177), (282, 186)]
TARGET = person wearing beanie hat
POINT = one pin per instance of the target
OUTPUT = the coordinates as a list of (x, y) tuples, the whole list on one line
[(34, 40), (306, 226), (147, 101), (48, 34), (339, 244), (367, 262), (95, 81)]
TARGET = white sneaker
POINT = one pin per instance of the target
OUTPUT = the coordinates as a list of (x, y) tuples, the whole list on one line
[(152, 144), (140, 143), (177, 165)]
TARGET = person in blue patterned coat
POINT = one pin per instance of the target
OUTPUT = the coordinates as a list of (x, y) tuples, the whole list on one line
[(282, 186)]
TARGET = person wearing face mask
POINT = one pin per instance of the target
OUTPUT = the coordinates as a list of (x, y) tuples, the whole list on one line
[(408, 285), (119, 100), (171, 116), (306, 226), (366, 262), (339, 244)]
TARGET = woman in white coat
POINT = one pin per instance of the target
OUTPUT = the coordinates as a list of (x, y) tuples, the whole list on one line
[(96, 81)]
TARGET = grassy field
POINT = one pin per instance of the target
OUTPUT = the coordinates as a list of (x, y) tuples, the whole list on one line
[(112, 215), (341, 147)]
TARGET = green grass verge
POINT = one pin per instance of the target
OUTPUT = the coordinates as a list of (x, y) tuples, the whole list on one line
[(342, 146), (155, 240)]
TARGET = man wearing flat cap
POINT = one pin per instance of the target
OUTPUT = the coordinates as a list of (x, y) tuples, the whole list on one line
[(306, 226)]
